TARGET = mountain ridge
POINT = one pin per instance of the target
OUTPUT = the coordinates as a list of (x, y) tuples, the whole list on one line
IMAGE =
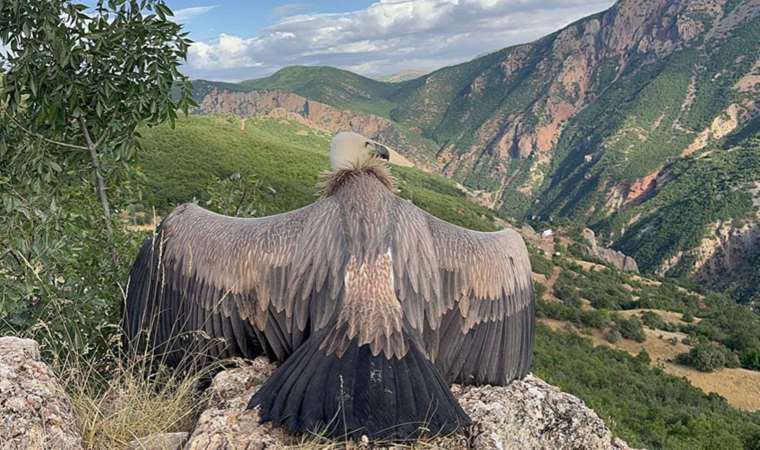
[(607, 121)]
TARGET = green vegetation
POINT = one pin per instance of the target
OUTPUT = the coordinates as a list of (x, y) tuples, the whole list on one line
[(339, 88), (285, 158), (641, 404), (731, 330), (707, 356)]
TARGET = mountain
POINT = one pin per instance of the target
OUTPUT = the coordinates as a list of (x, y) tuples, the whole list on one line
[(640, 121), (404, 75), (272, 164)]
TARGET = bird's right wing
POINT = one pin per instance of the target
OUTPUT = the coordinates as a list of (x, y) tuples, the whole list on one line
[(248, 284), (470, 295)]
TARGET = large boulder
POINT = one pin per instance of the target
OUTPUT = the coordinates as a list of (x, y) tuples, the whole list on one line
[(614, 257), (35, 412), (527, 414)]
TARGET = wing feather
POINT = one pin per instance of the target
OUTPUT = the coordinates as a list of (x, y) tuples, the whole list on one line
[(234, 279), (469, 293)]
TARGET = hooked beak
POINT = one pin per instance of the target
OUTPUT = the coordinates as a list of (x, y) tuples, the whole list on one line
[(381, 151)]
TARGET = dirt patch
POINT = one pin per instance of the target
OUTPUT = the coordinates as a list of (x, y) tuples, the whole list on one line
[(740, 387), (672, 317)]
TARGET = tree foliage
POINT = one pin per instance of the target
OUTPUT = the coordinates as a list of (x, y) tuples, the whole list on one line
[(86, 78)]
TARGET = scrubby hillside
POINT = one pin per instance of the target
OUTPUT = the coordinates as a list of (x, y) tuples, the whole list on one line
[(642, 404), (614, 121), (279, 161)]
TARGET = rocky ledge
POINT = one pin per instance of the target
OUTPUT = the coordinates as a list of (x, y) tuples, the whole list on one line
[(527, 414), (35, 413)]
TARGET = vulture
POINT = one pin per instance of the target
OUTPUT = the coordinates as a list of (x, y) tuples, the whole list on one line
[(371, 306)]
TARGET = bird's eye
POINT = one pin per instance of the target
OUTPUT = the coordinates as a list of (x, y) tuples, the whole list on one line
[(366, 144)]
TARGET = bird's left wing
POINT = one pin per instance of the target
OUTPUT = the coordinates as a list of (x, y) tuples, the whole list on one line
[(468, 293), (248, 284)]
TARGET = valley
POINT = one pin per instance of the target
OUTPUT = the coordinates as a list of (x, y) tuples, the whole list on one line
[(278, 161), (628, 121)]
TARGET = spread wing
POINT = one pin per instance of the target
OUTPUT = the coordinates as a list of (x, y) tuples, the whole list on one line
[(470, 295), (251, 285)]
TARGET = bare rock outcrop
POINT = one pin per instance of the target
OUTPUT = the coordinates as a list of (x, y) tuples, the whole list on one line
[(527, 414), (616, 258), (160, 441), (312, 113), (35, 412)]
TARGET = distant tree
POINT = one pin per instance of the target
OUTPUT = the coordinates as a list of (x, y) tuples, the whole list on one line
[(750, 359), (613, 336), (85, 78), (632, 329), (705, 357), (643, 358)]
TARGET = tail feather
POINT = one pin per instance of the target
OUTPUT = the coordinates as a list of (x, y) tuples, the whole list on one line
[(359, 394)]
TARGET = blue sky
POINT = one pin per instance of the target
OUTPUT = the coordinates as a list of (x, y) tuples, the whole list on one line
[(239, 39)]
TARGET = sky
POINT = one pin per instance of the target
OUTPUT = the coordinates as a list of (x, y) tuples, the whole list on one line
[(244, 39)]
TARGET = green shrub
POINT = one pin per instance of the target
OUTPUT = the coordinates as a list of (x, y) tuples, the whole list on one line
[(750, 359), (613, 335), (708, 356), (631, 329), (654, 321)]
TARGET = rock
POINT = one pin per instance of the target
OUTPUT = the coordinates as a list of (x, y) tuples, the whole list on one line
[(233, 387), (226, 424), (235, 429), (527, 414), (616, 258), (532, 414), (26, 346), (35, 412), (159, 441), (314, 114)]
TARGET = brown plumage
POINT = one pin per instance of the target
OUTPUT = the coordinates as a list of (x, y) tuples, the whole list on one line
[(372, 305)]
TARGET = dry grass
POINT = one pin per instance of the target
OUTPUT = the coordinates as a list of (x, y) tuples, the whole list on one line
[(132, 405), (740, 387), (118, 404)]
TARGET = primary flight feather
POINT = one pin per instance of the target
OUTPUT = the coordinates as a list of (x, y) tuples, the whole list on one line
[(372, 305)]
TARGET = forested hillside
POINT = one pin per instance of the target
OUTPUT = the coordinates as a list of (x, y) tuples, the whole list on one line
[(625, 121), (278, 161)]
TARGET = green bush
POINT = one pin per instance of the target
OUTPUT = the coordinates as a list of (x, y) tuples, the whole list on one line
[(613, 336), (631, 329), (708, 356), (653, 320)]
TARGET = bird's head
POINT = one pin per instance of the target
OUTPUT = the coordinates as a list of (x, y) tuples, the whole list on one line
[(349, 149)]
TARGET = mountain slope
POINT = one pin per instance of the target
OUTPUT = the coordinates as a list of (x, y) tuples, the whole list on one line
[(606, 122), (339, 88), (642, 404)]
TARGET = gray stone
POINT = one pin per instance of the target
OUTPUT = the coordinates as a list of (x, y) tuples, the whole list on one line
[(532, 414), (35, 411), (160, 441), (614, 257), (527, 414)]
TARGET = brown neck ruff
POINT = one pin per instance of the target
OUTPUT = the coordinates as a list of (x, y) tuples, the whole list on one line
[(330, 181)]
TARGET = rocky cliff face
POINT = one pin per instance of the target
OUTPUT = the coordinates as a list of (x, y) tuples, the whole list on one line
[(35, 412), (615, 258), (618, 121), (310, 112)]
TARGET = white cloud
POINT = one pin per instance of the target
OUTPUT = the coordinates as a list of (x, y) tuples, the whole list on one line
[(291, 9), (388, 36), (185, 14)]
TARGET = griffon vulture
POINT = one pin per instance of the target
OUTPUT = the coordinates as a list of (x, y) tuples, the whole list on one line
[(372, 305)]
